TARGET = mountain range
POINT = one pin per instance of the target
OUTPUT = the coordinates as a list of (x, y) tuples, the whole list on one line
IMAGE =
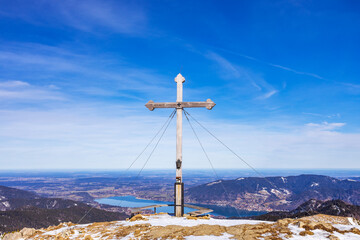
[(19, 209), (274, 193)]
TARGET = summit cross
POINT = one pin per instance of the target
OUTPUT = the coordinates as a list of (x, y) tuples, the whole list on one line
[(179, 105)]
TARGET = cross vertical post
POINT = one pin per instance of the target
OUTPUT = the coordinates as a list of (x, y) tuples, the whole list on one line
[(179, 185), (179, 105)]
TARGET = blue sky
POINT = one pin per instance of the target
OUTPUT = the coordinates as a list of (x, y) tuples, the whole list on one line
[(75, 75)]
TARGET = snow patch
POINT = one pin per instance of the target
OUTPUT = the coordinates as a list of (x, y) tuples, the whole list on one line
[(318, 234), (165, 220), (264, 192), (351, 180), (284, 180), (287, 192), (314, 184), (351, 221), (276, 192), (57, 231), (212, 183), (321, 234), (6, 204), (280, 193), (240, 178), (54, 204)]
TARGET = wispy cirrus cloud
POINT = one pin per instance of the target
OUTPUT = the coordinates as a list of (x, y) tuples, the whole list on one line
[(272, 64), (80, 72), (30, 59), (23, 91), (290, 69), (231, 70), (269, 94), (13, 83), (337, 115), (325, 126), (89, 16), (97, 91), (352, 85)]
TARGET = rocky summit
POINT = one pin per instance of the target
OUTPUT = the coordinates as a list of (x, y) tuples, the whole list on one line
[(163, 226)]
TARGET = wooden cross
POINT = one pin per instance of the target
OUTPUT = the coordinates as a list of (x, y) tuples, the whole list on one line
[(179, 105)]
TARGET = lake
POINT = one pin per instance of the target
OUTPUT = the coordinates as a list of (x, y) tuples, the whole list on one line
[(131, 201)]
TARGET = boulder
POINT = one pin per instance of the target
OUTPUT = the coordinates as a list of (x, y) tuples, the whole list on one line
[(301, 224), (27, 232), (284, 222), (13, 236), (88, 237), (137, 217), (355, 231), (306, 232)]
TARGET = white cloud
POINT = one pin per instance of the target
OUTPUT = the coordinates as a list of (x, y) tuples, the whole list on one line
[(13, 83), (54, 87), (325, 126), (85, 136), (80, 136), (19, 90), (289, 146), (94, 91), (336, 115)]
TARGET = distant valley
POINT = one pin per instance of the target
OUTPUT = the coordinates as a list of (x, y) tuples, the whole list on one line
[(66, 197), (247, 193)]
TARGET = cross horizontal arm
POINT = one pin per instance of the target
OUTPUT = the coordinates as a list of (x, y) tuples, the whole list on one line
[(151, 105)]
